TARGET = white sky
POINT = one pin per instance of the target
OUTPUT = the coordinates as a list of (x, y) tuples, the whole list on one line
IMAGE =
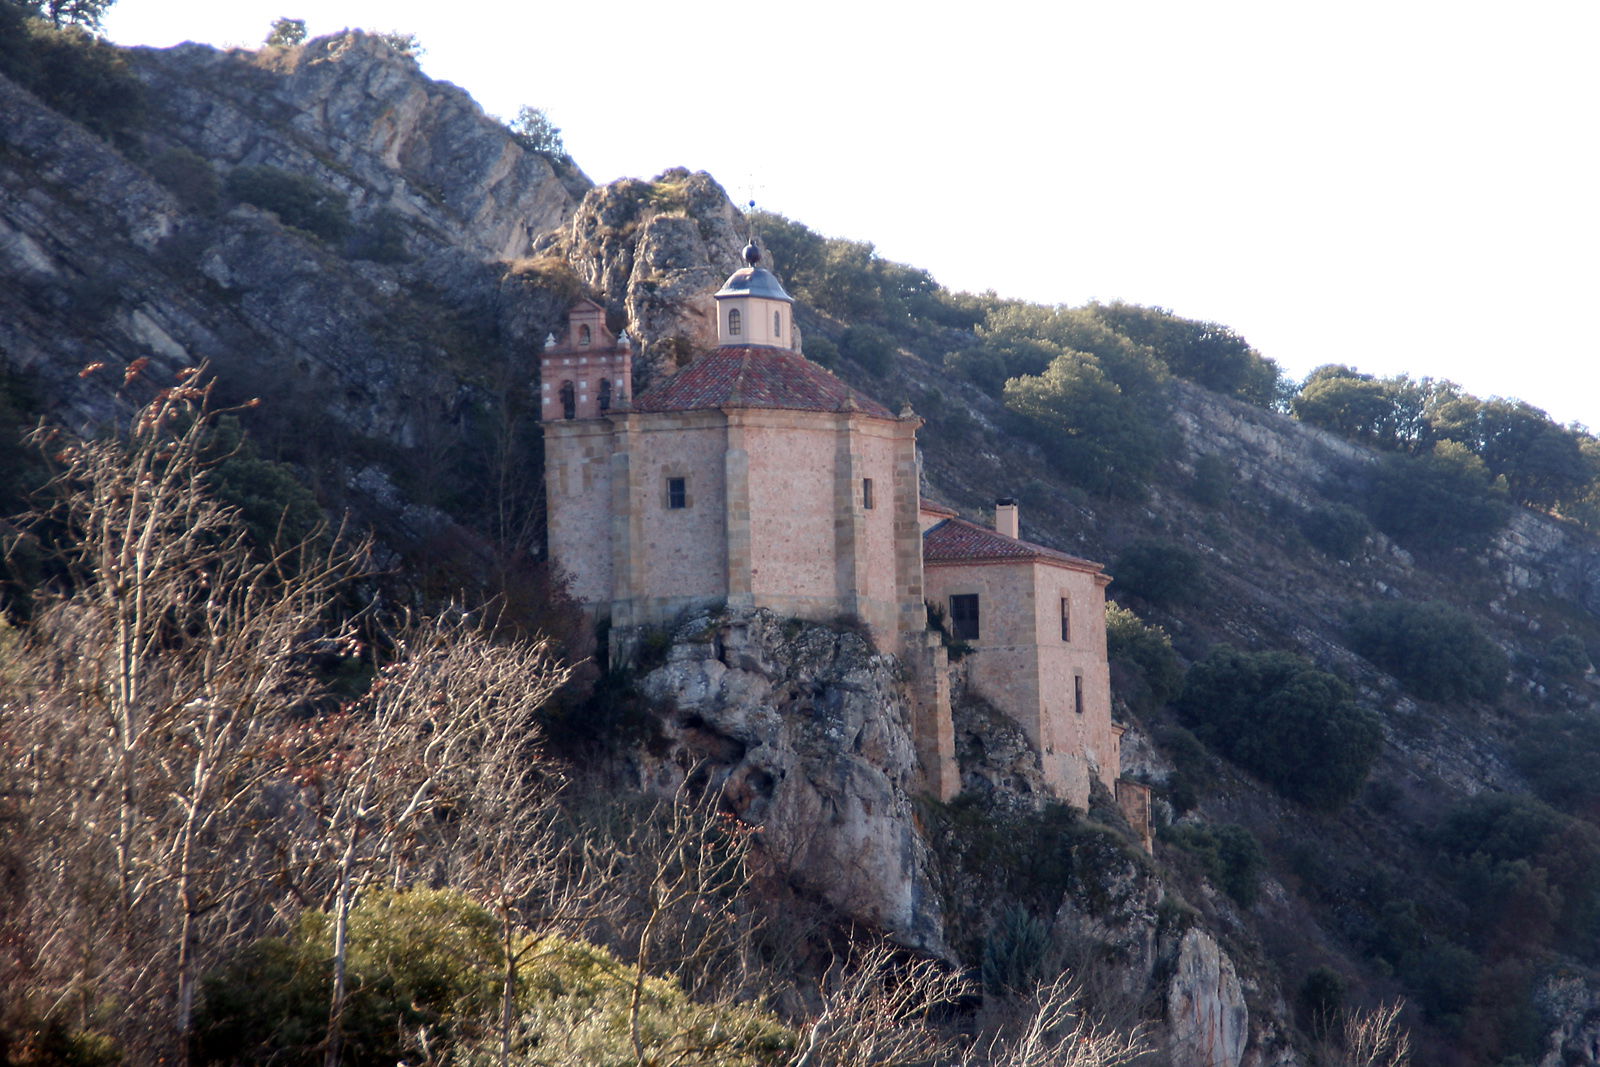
[(1406, 185)]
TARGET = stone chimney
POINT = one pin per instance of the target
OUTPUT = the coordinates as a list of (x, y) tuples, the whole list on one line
[(1006, 520)]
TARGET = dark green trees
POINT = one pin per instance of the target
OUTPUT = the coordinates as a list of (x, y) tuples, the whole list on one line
[(1276, 715), (1436, 502), (1434, 650), (1206, 353)]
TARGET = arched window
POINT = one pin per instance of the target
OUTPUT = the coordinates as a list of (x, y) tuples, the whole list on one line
[(569, 401), (584, 337), (777, 324), (735, 325), (605, 395)]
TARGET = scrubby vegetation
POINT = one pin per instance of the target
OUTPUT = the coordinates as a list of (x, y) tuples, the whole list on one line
[(223, 845), (1532, 459), (68, 68), (1434, 649), (298, 200), (1279, 717), (1146, 649), (1158, 572)]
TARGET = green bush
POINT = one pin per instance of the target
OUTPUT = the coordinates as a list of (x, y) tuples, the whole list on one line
[(991, 853), (1207, 353), (189, 178), (286, 33), (1558, 755), (870, 347), (299, 200), (1279, 717), (277, 508), (1566, 658), (1213, 480), (1191, 767), (1520, 863), (1321, 1001), (1435, 651), (1146, 649), (1337, 529), (72, 71), (430, 962), (382, 238), (983, 367), (1437, 502), (1015, 952), (1098, 432), (1230, 855), (421, 959), (533, 130), (821, 351), (1159, 572)]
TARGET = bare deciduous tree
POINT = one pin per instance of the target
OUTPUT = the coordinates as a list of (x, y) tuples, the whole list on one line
[(1374, 1039), (1054, 1031), (876, 1008), (410, 764), (141, 701)]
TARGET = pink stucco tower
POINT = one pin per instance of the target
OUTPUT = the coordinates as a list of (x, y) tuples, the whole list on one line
[(752, 477)]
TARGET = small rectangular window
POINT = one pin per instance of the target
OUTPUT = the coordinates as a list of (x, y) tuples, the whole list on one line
[(1066, 619), (677, 493), (964, 617), (866, 493), (1077, 693)]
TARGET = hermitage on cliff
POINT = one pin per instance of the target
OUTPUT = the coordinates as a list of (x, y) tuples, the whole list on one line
[(757, 479)]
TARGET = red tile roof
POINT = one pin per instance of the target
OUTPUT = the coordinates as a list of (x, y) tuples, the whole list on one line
[(960, 541), (755, 376)]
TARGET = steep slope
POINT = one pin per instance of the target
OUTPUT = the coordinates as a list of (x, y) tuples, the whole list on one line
[(395, 362), (382, 346)]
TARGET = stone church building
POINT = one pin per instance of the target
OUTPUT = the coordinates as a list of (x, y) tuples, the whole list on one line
[(755, 478)]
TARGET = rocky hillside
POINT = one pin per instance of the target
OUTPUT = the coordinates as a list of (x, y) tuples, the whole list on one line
[(379, 261)]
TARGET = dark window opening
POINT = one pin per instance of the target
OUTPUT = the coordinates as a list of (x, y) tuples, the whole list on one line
[(1066, 619), (569, 400), (866, 492), (777, 323), (964, 617), (605, 394), (1077, 693), (677, 493), (735, 326), (585, 338)]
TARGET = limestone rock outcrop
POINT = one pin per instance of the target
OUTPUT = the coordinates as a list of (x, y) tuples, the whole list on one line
[(657, 250), (807, 729), (101, 263), (354, 113), (1205, 1005)]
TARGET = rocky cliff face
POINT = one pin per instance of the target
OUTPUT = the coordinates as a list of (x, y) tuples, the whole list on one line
[(379, 370), (809, 731), (657, 250), (361, 117), (102, 263)]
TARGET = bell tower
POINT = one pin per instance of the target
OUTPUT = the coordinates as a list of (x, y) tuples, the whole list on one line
[(753, 309), (589, 374)]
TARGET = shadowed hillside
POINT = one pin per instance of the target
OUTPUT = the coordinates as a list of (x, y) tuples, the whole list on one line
[(1354, 637)]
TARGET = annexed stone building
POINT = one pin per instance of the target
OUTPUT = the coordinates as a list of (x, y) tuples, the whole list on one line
[(755, 478)]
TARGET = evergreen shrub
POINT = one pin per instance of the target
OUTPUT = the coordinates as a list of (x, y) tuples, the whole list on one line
[(1436, 652), (1277, 716), (1158, 571), (299, 200), (1146, 649)]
